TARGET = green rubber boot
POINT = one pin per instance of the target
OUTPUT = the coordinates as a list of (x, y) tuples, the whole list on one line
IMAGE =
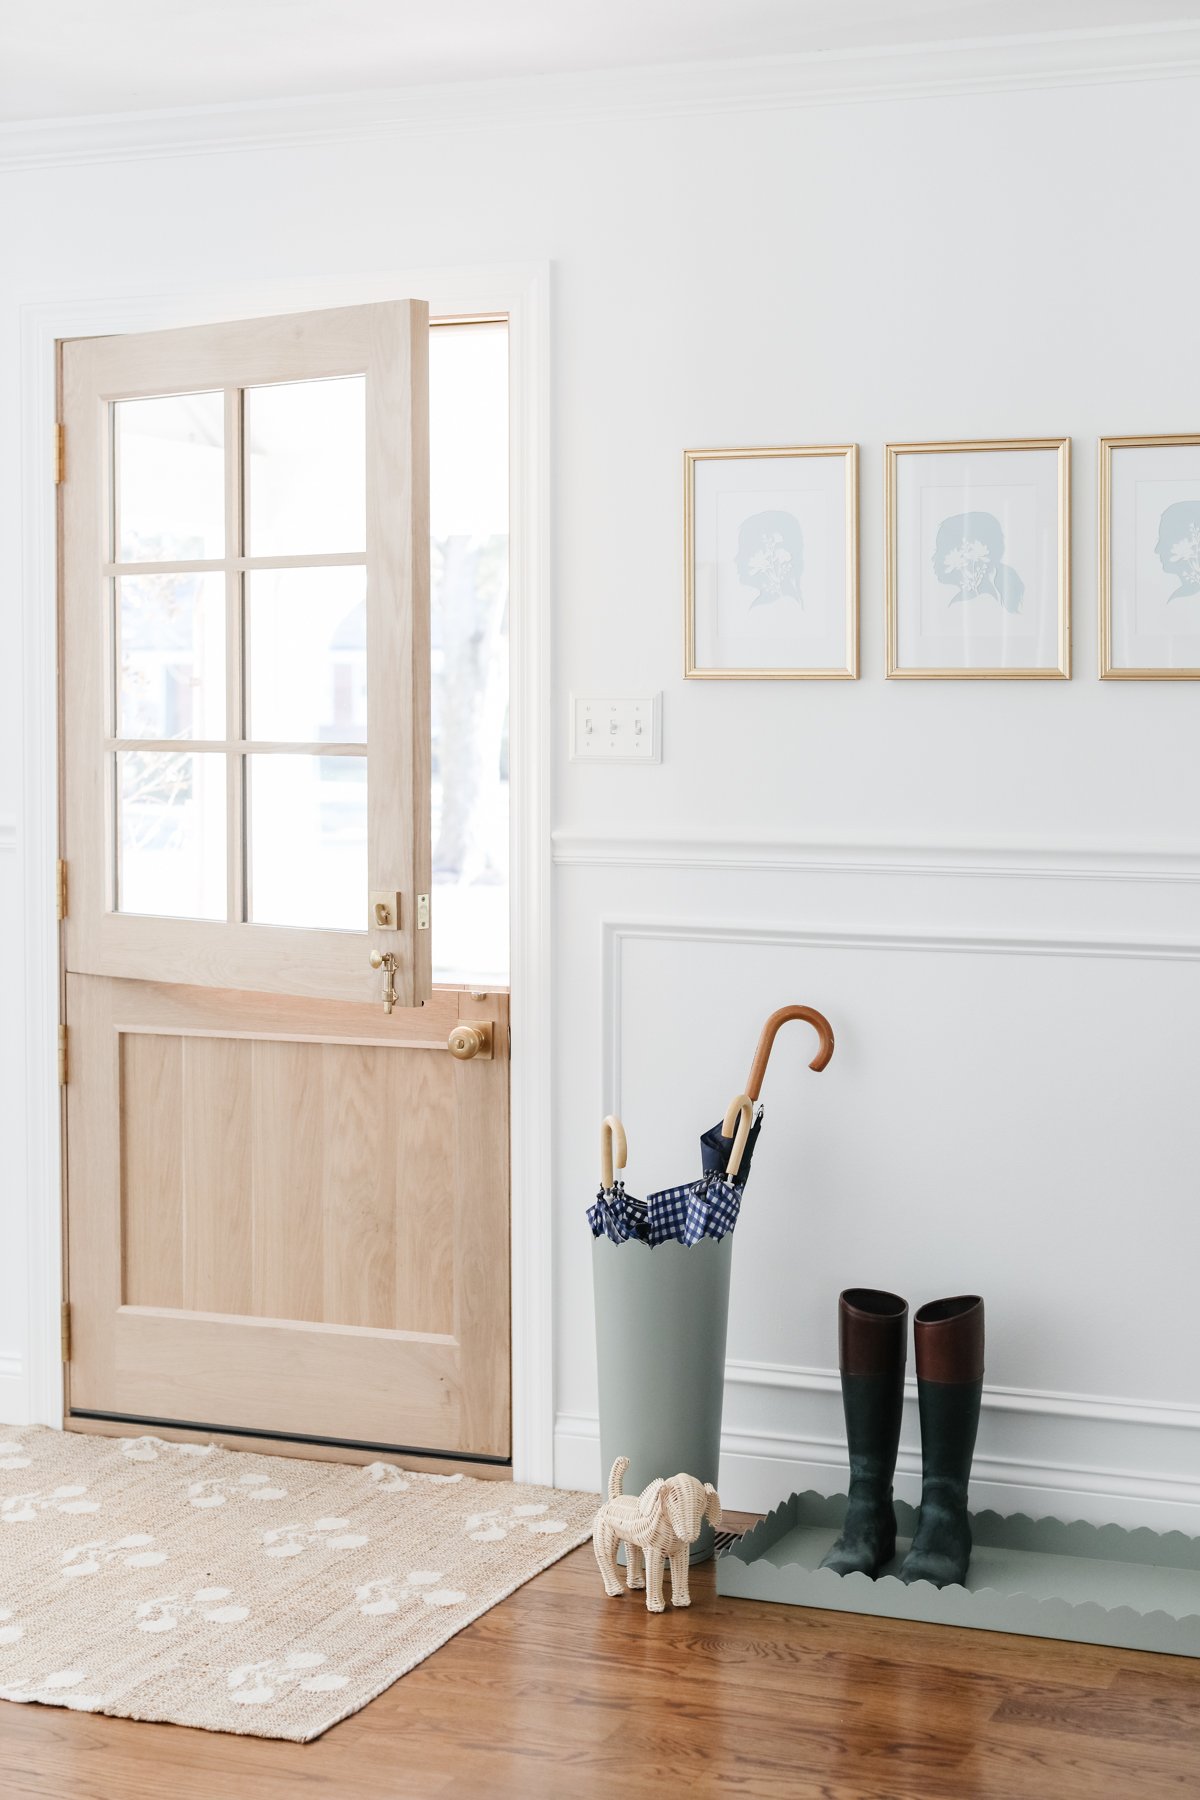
[(872, 1340), (949, 1342)]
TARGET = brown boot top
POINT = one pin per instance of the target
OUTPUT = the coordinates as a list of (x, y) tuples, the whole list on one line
[(948, 1335), (872, 1331)]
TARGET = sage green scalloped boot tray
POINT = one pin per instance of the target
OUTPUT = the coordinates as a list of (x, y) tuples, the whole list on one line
[(1088, 1584)]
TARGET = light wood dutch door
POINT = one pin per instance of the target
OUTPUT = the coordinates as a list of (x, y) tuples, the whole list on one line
[(287, 1196)]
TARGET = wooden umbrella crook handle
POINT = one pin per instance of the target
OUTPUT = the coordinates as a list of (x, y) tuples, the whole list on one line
[(613, 1147), (739, 1112), (818, 1021)]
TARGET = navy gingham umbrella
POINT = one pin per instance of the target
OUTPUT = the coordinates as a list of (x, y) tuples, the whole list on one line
[(708, 1207), (615, 1214)]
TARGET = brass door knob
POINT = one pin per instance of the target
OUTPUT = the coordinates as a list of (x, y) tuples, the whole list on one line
[(467, 1041)]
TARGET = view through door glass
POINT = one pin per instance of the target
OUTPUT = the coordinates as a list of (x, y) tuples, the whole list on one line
[(468, 522)]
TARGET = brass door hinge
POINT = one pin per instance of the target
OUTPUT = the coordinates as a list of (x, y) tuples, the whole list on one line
[(62, 1056), (60, 454), (60, 889), (65, 1330)]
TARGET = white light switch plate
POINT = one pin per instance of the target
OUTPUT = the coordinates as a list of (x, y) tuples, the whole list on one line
[(616, 730)]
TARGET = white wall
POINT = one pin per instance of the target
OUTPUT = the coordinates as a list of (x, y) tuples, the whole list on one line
[(990, 888)]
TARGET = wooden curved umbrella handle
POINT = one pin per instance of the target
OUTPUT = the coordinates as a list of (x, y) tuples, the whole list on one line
[(740, 1112), (613, 1147), (818, 1021)]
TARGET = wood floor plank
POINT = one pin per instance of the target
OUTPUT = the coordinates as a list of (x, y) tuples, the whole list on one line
[(1146, 1718), (562, 1694)]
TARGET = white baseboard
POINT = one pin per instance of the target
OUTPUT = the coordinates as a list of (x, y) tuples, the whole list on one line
[(758, 1470), (14, 1399)]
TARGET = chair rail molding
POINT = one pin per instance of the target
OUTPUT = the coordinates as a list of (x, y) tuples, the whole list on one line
[(878, 857), (1050, 59), (523, 292)]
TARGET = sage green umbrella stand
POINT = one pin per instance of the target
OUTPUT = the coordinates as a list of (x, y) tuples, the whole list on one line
[(661, 1321)]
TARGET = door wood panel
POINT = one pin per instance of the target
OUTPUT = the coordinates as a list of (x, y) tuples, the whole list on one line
[(296, 1217)]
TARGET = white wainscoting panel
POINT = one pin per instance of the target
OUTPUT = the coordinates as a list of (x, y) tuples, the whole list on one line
[(1010, 1110)]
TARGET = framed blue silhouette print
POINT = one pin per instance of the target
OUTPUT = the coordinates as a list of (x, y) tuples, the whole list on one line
[(1150, 559), (979, 560), (771, 564)]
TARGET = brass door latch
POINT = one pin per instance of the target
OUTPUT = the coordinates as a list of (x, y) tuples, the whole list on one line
[(386, 960)]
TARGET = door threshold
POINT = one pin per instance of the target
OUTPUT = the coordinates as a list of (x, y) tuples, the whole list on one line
[(282, 1443)]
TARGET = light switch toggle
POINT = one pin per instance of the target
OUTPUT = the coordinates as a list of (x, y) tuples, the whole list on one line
[(616, 730)]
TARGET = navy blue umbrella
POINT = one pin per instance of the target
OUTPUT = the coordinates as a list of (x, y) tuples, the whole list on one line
[(708, 1207), (716, 1143)]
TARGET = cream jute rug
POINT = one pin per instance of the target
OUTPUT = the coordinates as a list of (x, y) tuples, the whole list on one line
[(254, 1594)]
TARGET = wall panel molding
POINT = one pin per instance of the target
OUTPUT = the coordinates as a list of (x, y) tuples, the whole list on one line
[(615, 934), (1152, 52), (877, 857)]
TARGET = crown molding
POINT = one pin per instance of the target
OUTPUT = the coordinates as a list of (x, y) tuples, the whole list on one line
[(969, 66)]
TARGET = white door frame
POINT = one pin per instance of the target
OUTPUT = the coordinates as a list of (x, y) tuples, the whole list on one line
[(523, 293)]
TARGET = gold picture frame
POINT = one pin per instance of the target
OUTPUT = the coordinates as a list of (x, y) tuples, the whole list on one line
[(1109, 671), (849, 668), (1060, 670)]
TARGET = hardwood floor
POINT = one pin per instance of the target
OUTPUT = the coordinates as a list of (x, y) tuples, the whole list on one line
[(560, 1694)]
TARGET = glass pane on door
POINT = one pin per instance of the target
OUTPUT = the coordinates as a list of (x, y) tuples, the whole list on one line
[(171, 656), (306, 476), (169, 486), (307, 837), (171, 833), (306, 638)]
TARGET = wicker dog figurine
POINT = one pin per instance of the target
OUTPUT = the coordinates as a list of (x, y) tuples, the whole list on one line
[(663, 1521)]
